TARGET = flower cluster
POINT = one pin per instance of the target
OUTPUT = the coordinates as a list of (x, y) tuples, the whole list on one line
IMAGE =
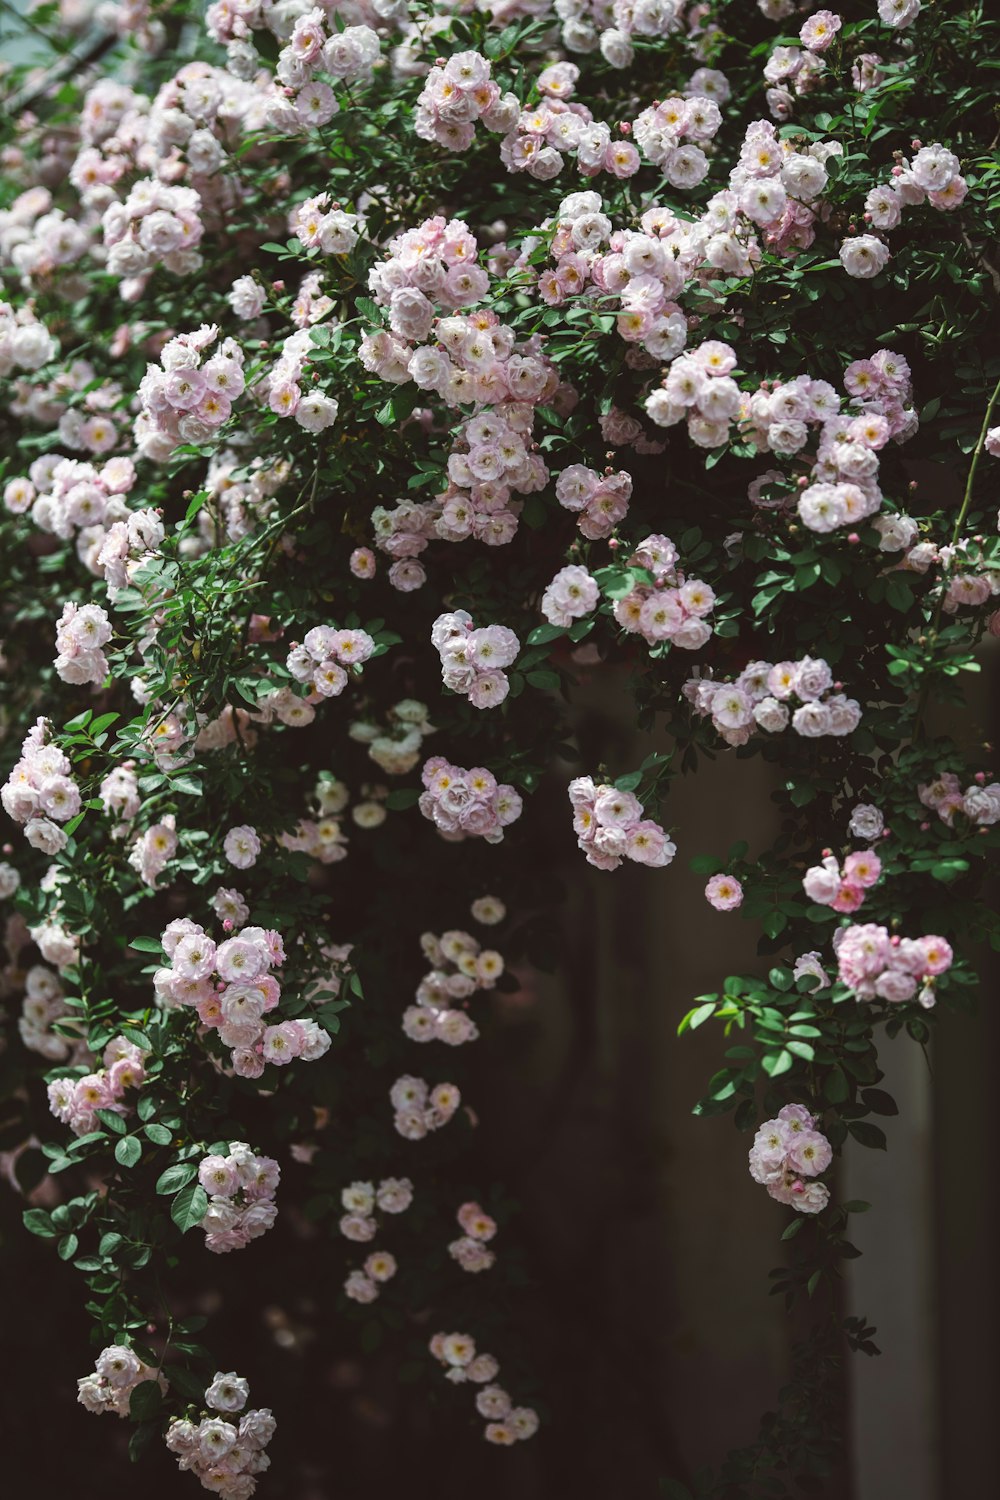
[(43, 1003), (75, 1102), (395, 746), (610, 826), (393, 1195), (787, 1151), (473, 660), (157, 224), (669, 135), (458, 93), (241, 1188), (40, 791), (323, 659), (348, 56), (25, 342), (232, 989), (761, 696), (477, 1228), (933, 176), (506, 1423), (81, 632), (467, 804), (187, 397), (669, 607), (226, 1455), (420, 1108), (842, 889), (598, 501), (980, 802), (461, 967), (572, 594), (879, 967), (363, 1285), (543, 134), (117, 1372)]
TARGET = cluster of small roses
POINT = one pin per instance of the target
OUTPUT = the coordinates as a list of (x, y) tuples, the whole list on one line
[(759, 699), (239, 495), (699, 390), (790, 70), (610, 827), (572, 594), (226, 1457), (457, 94), (348, 56), (127, 544), (788, 1150), (980, 802), (43, 1003), (76, 400), (934, 176), (231, 989), (40, 791), (35, 238), (842, 889), (845, 467), (473, 660), (25, 342), (75, 1102), (588, 24), (775, 187), (542, 133), (320, 661), (393, 1195), (660, 133), (461, 967), (187, 397), (477, 1228), (363, 1285), (117, 1372), (420, 1108), (506, 1423), (879, 967), (119, 796), (154, 849), (467, 804), (318, 223), (281, 387), (644, 268), (599, 501), (156, 224), (673, 608), (321, 837), (395, 745), (81, 632), (241, 1188)]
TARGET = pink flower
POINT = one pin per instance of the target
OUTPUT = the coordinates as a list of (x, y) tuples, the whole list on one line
[(242, 846), (724, 892)]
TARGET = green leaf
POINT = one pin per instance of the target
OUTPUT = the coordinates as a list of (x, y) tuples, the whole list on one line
[(111, 1121), (37, 1221), (776, 1063), (68, 1246), (176, 1177), (145, 1400), (780, 979), (697, 1017), (545, 633), (550, 681), (706, 864), (146, 945), (128, 1150), (158, 1134), (189, 1207), (401, 798), (792, 1230), (879, 1102), (629, 782), (867, 1134)]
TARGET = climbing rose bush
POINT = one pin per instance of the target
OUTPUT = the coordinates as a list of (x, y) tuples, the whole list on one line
[(371, 373)]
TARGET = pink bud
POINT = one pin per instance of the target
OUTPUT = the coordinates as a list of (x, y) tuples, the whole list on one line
[(853, 538)]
